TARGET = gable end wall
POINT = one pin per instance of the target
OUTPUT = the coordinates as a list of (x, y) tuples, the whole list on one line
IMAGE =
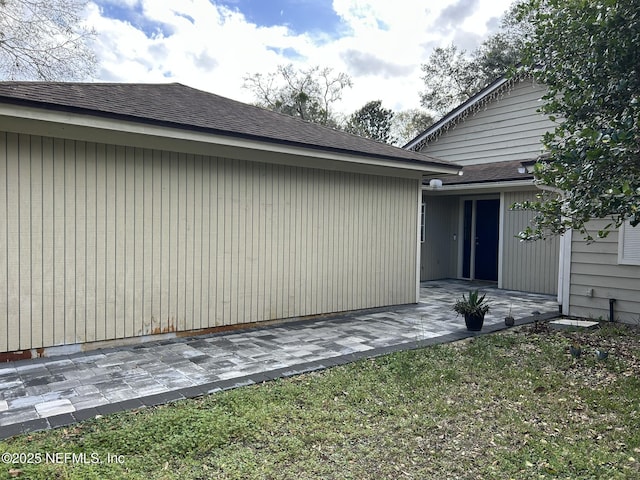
[(505, 129)]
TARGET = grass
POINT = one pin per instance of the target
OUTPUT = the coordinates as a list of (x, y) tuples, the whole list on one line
[(512, 405)]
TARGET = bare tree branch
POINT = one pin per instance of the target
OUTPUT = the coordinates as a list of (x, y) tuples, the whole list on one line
[(44, 40)]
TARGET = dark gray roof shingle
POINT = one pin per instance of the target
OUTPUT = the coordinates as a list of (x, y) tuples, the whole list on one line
[(183, 107), (487, 172)]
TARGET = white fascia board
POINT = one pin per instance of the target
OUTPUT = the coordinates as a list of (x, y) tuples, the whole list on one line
[(93, 128)]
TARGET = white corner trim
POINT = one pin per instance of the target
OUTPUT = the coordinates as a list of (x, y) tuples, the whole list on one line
[(501, 238), (418, 243), (564, 271)]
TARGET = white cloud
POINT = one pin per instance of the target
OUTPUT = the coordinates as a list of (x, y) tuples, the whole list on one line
[(211, 47)]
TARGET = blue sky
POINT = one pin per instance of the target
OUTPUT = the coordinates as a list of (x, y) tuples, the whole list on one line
[(300, 16), (214, 44)]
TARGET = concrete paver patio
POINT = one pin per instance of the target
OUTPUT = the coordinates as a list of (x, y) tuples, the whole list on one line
[(52, 392)]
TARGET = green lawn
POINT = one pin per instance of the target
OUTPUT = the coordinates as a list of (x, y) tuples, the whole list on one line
[(511, 405)]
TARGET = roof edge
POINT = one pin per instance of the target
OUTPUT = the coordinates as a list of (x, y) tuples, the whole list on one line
[(458, 112), (53, 107)]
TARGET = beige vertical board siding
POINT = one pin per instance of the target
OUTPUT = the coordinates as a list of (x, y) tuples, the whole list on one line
[(375, 238), (136, 205), (594, 267), (164, 259), (336, 258), (240, 265), (366, 218), (150, 244), (307, 249), (376, 227), (410, 220), (127, 253), (196, 254), (290, 248), (101, 242), (336, 237), (233, 278), (324, 179), (58, 242), (283, 242), (275, 286), (250, 266), (316, 236), (90, 242), (36, 234), (202, 319), (233, 275), (76, 264), (389, 205), (180, 247), (527, 266), (48, 240), (80, 252), (24, 240), (186, 162), (13, 243), (157, 185), (223, 237), (68, 225), (507, 128), (111, 242), (296, 214), (273, 241), (261, 223)]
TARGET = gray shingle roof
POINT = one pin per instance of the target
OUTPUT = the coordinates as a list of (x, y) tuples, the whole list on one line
[(183, 107), (487, 172)]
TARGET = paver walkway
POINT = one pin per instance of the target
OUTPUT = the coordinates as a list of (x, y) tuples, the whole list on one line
[(52, 392)]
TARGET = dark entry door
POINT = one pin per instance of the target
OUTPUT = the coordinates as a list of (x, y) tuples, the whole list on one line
[(487, 231)]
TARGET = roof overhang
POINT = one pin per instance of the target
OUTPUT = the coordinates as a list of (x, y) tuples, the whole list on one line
[(77, 126), (484, 187)]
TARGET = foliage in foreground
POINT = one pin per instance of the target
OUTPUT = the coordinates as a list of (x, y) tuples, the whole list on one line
[(586, 52), (515, 405)]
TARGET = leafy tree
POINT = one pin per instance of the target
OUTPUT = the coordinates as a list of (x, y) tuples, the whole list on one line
[(44, 40), (407, 124), (448, 78), (586, 52), (451, 76), (308, 94), (372, 121)]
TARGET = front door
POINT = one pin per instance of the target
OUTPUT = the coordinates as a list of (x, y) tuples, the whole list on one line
[(487, 232), (480, 241)]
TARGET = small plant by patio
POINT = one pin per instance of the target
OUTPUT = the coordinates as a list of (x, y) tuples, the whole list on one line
[(474, 309), (509, 321)]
